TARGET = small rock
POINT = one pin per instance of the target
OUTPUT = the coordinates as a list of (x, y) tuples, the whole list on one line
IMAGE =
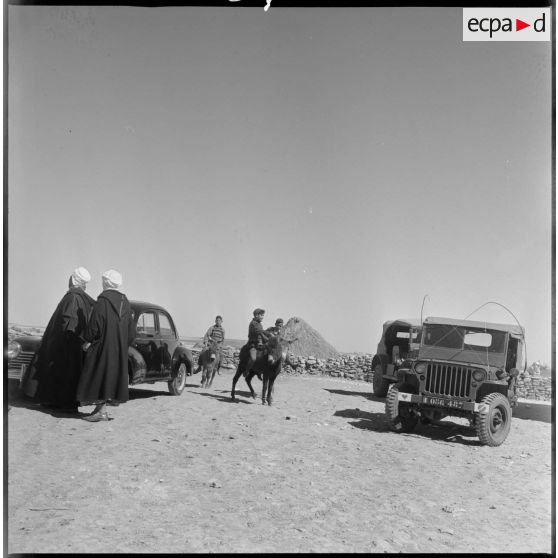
[(446, 531), (215, 484)]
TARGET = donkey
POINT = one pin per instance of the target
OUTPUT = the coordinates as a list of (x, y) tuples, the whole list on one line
[(210, 360), (267, 366)]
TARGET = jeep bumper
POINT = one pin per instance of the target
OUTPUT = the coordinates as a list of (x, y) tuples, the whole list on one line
[(443, 402)]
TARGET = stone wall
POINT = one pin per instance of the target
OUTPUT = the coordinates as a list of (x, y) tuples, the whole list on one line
[(530, 385)]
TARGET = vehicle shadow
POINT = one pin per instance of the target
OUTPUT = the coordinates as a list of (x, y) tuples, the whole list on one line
[(366, 394), (443, 431)]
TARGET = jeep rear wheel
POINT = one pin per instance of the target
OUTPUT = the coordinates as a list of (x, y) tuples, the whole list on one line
[(494, 426), (177, 384), (400, 415), (380, 385)]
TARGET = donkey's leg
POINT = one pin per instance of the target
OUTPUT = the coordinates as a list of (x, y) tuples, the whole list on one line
[(270, 389), (264, 388), (235, 379), (211, 376), (248, 379)]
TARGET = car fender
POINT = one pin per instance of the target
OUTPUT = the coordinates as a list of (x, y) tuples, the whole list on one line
[(136, 366), (182, 355)]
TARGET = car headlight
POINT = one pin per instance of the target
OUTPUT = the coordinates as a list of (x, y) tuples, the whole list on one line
[(14, 348), (479, 375), (420, 368)]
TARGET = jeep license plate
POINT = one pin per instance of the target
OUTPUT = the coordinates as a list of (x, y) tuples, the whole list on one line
[(440, 402)]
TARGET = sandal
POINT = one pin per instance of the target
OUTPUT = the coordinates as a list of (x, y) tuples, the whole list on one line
[(97, 417)]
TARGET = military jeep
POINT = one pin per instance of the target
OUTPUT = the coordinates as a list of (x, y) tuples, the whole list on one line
[(463, 368), (400, 341)]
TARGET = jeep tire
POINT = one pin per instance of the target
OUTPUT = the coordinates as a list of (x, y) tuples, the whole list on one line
[(494, 426), (399, 415), (380, 385), (178, 383)]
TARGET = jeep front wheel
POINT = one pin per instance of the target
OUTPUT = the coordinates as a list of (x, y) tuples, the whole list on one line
[(380, 385), (177, 384), (400, 415), (494, 426)]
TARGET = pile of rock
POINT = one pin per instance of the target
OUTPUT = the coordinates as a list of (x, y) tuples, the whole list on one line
[(350, 366), (302, 340), (531, 385)]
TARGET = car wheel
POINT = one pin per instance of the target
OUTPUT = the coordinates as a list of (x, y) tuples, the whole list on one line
[(178, 383), (494, 426), (380, 385), (400, 415)]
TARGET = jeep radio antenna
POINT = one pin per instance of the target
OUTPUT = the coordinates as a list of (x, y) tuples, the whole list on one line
[(422, 307), (521, 327)]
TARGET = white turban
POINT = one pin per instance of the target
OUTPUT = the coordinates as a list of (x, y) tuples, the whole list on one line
[(80, 277), (111, 279)]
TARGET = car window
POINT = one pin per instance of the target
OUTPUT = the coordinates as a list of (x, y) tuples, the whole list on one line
[(146, 324), (165, 326)]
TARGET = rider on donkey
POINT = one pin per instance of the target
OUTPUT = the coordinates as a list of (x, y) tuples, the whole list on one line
[(256, 337), (277, 329), (216, 333)]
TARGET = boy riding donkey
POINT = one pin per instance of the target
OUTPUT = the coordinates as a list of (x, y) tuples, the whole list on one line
[(215, 333)]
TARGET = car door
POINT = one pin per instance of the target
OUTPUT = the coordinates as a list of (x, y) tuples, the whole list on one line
[(169, 342), (148, 342)]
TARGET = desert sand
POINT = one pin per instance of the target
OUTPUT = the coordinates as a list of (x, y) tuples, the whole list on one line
[(317, 472)]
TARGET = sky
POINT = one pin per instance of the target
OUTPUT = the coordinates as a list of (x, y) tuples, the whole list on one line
[(339, 165)]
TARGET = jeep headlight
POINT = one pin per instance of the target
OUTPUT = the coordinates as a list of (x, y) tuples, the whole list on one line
[(479, 375), (420, 368), (14, 348)]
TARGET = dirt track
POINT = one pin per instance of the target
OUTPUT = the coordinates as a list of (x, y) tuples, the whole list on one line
[(317, 472)]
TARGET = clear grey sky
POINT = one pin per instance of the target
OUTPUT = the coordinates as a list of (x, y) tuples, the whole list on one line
[(332, 164)]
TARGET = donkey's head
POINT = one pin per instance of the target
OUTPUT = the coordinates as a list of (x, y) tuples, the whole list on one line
[(274, 350)]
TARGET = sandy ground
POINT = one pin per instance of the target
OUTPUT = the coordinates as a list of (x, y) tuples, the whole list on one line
[(317, 472)]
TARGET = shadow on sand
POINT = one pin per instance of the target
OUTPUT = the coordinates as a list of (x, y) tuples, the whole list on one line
[(367, 394), (227, 398), (443, 431)]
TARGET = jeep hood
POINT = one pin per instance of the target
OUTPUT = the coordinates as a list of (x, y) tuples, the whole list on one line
[(463, 356)]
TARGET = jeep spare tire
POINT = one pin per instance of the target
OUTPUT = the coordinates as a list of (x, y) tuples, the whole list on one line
[(380, 385)]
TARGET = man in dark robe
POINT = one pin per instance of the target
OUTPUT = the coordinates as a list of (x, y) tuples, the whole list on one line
[(109, 333), (53, 376)]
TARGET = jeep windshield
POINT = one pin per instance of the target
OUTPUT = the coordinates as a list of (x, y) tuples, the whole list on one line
[(464, 344)]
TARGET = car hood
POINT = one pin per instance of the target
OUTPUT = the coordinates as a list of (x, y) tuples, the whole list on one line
[(29, 343)]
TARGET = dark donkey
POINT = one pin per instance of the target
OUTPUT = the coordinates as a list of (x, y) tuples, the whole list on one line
[(267, 364), (210, 360)]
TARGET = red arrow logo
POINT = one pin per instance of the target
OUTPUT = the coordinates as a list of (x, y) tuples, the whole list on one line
[(519, 25)]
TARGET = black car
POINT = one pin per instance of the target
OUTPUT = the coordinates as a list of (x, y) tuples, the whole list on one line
[(156, 354)]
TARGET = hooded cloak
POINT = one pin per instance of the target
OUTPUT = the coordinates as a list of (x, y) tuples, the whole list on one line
[(110, 331), (53, 375)]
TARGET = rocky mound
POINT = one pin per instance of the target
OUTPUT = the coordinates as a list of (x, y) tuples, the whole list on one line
[(304, 340)]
